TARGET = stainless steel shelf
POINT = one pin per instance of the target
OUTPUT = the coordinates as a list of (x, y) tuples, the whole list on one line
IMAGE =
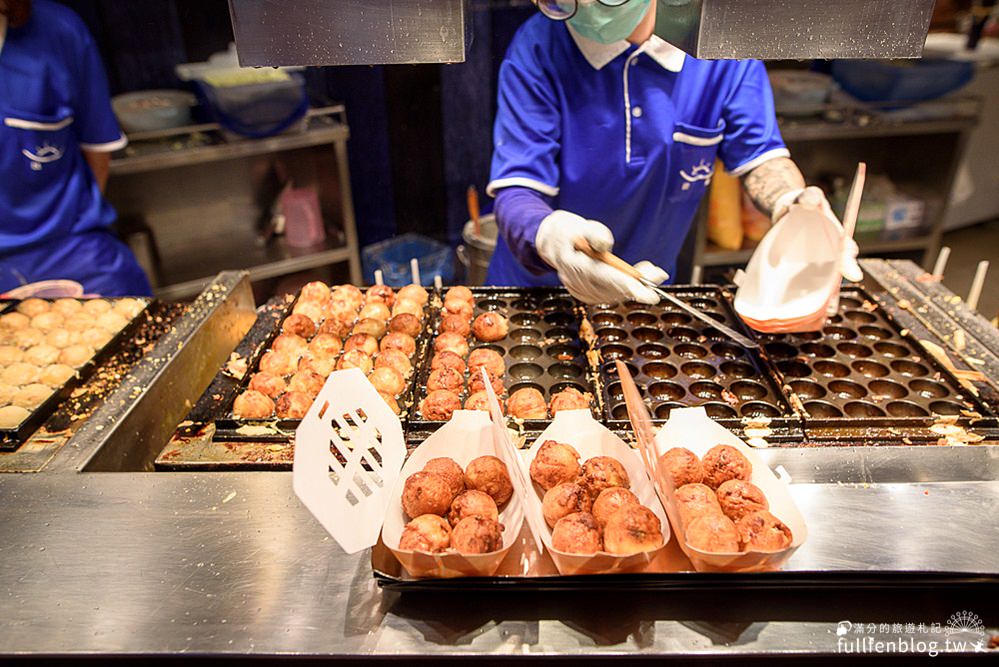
[(822, 130)]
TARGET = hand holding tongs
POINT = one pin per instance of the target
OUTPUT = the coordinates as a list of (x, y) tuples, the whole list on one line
[(612, 260)]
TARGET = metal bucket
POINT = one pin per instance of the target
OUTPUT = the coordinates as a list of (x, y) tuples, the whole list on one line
[(477, 250)]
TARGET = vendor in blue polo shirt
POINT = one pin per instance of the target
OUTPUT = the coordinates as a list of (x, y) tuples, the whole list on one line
[(57, 132), (605, 131)]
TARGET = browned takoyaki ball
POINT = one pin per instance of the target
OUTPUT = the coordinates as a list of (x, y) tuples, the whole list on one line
[(316, 291), (395, 360), (681, 466), (292, 345), (576, 533), (570, 398), (326, 345), (252, 404), (427, 533), (695, 500), (603, 472), (610, 501), (564, 499), (631, 530), (277, 362), (33, 306), (724, 462), (447, 359), (390, 401), (355, 359), (472, 503), (714, 533), (399, 341), (309, 309), (476, 384), (293, 405), (307, 382), (413, 293), (375, 310), (387, 380), (488, 474), (491, 360), (449, 469), (446, 378), (477, 535), (460, 308), (554, 463), (527, 403), (456, 324), (452, 342), (406, 323), (426, 493), (320, 364), (300, 325), (490, 327), (738, 498), (363, 342), (440, 405), (270, 385), (337, 327), (370, 327), (762, 531), (459, 292), (408, 307), (480, 401), (349, 294), (382, 293)]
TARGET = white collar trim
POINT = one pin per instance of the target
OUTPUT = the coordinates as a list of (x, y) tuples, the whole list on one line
[(598, 55)]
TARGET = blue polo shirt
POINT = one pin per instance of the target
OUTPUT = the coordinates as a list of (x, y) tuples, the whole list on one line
[(623, 134)]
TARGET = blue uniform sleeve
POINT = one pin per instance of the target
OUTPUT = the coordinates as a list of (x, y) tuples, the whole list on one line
[(96, 126), (519, 212), (751, 133)]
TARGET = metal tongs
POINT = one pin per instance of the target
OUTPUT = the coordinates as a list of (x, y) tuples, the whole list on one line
[(612, 260)]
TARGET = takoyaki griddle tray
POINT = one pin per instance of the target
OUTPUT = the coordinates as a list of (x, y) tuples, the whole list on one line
[(542, 349), (678, 361)]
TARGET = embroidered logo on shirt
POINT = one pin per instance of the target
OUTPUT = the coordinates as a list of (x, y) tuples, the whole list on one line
[(699, 172), (43, 154)]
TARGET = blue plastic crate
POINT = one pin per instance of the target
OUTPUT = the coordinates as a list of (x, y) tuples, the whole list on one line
[(393, 257), (915, 81)]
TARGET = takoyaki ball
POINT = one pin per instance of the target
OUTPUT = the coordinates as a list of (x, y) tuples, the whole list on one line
[(462, 309), (603, 472), (408, 307), (448, 359), (477, 384), (96, 307), (370, 327), (395, 360), (390, 401), (75, 355), (724, 462), (449, 469), (426, 493), (355, 359), (309, 309), (459, 292), (714, 533), (61, 338), (293, 405), (456, 324), (32, 395), (42, 355), (299, 325), (307, 382), (413, 293), (440, 405), (564, 499), (342, 312), (10, 354), (47, 321), (762, 531), (56, 375), (32, 307), (738, 498), (570, 398), (15, 321), (491, 360), (78, 322), (576, 533), (554, 463), (363, 342), (322, 365), (337, 328), (127, 307), (349, 294), (110, 321), (96, 338), (399, 341), (427, 533), (316, 291), (290, 344), (695, 500), (446, 378), (632, 530), (252, 404), (682, 466), (472, 503), (527, 403), (382, 293), (7, 392), (452, 342), (277, 362), (26, 338), (490, 327), (326, 345), (12, 415), (488, 474), (480, 401), (375, 310), (387, 380), (611, 501), (477, 535), (405, 323), (67, 307), (268, 384)]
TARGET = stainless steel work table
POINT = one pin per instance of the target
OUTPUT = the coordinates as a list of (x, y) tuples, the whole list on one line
[(232, 563)]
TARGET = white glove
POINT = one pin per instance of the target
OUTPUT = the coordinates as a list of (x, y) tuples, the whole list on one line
[(813, 197), (587, 279)]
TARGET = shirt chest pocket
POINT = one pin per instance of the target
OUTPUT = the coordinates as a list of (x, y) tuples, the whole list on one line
[(692, 159), (37, 146)]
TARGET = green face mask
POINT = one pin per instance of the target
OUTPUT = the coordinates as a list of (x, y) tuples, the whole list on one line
[(608, 24)]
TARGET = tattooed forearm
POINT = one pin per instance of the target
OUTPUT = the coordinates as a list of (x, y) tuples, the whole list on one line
[(770, 180)]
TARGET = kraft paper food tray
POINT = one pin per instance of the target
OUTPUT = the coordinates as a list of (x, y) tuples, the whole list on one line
[(466, 436), (590, 438), (693, 429)]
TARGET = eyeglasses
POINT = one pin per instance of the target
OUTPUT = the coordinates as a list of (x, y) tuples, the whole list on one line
[(563, 10)]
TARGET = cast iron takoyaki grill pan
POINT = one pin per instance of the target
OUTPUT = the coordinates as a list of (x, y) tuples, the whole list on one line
[(862, 371), (541, 350), (678, 361)]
